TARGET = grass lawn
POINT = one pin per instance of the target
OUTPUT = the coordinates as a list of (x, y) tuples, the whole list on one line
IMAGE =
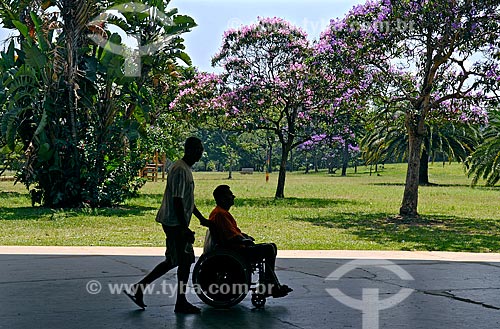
[(320, 212)]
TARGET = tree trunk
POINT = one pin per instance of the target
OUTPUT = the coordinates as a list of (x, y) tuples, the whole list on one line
[(423, 176), (280, 189), (230, 173), (270, 156), (345, 158), (316, 169), (410, 197)]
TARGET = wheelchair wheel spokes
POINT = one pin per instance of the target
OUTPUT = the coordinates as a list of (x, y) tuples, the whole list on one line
[(221, 279)]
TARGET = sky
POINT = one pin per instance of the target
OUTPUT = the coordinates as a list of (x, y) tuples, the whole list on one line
[(216, 16)]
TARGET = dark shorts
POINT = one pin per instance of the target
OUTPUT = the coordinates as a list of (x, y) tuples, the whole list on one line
[(179, 252)]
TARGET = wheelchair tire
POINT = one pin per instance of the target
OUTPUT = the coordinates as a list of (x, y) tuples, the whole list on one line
[(258, 300), (221, 278)]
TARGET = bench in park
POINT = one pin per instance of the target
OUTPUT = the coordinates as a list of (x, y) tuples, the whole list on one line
[(245, 171)]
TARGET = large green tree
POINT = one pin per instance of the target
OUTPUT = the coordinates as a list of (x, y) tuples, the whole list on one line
[(71, 103), (430, 57)]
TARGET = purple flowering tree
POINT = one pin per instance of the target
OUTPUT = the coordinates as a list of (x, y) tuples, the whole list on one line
[(434, 59), (202, 102), (334, 151), (311, 150), (265, 66), (203, 98)]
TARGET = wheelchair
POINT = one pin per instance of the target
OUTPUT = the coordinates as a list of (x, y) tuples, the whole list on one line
[(222, 278)]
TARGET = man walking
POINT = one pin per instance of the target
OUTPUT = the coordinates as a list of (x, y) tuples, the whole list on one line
[(175, 215)]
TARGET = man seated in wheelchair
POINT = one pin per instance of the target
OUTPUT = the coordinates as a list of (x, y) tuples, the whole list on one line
[(224, 233)]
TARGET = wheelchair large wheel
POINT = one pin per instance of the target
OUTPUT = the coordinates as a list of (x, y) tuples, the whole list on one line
[(221, 278)]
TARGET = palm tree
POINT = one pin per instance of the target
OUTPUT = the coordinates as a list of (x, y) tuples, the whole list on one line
[(484, 163), (385, 140), (448, 141)]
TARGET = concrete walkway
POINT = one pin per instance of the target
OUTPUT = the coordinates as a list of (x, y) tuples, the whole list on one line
[(76, 287)]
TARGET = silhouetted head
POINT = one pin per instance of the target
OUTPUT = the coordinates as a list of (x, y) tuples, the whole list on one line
[(193, 150), (223, 196)]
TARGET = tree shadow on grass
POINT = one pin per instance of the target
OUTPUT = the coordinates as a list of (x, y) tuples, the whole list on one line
[(287, 202), (10, 194), (422, 185), (36, 213), (486, 188), (436, 233)]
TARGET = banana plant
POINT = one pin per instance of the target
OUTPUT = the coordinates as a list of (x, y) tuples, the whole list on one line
[(68, 101)]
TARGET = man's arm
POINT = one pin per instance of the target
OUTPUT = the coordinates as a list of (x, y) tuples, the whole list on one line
[(248, 236), (179, 212), (231, 233), (201, 218), (181, 216), (241, 240)]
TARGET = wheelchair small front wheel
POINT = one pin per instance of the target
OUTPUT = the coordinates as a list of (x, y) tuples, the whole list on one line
[(221, 278), (258, 300)]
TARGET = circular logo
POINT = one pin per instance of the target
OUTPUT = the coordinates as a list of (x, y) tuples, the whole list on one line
[(94, 287), (370, 304)]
